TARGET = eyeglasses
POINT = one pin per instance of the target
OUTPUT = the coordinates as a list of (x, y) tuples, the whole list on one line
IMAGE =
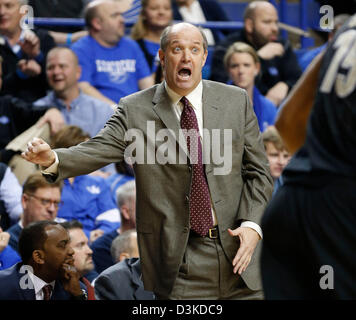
[(47, 202)]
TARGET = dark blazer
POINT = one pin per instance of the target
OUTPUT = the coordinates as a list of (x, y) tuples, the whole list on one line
[(122, 281), (10, 289), (212, 11), (162, 204)]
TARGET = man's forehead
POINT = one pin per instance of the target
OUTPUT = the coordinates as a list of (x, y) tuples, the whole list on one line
[(185, 34), (56, 233)]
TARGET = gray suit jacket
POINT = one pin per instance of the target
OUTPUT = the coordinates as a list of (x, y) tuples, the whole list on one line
[(122, 281), (162, 209)]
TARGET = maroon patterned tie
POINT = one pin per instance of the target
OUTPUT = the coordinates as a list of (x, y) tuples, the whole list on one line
[(47, 289), (201, 219)]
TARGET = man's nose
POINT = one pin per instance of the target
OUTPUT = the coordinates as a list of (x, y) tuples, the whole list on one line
[(187, 55), (89, 250)]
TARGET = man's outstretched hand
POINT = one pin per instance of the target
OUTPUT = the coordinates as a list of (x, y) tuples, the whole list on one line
[(39, 152)]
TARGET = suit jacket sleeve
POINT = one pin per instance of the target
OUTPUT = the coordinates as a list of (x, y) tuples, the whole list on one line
[(108, 146), (258, 183)]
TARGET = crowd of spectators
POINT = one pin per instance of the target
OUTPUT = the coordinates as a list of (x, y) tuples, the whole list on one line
[(70, 79)]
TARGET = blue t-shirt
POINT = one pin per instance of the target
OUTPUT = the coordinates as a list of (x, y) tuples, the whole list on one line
[(89, 201), (152, 48), (8, 257), (264, 109), (115, 72)]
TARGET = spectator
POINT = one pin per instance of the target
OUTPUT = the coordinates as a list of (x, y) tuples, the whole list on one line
[(200, 11), (40, 201), (279, 64), (277, 155), (47, 271), (10, 197), (86, 198), (113, 66), (24, 53), (122, 281), (243, 65), (77, 108), (126, 202), (124, 173), (8, 256), (155, 15), (83, 261)]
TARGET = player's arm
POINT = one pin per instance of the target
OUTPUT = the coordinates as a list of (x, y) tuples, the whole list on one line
[(293, 117)]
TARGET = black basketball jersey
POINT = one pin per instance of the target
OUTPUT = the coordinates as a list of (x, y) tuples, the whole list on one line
[(330, 143)]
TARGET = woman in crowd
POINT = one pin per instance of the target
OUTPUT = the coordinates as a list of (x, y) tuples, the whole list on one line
[(243, 65), (155, 15)]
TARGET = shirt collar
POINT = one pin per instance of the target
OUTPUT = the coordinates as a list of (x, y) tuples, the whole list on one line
[(194, 97), (38, 283)]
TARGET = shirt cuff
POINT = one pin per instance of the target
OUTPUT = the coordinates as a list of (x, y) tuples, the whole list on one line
[(52, 169), (252, 225)]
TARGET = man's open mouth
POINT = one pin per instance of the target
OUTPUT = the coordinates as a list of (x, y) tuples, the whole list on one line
[(184, 73)]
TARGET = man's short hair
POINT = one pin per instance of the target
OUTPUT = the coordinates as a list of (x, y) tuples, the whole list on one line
[(36, 181), (32, 237), (72, 224), (91, 12), (249, 12), (75, 57), (125, 192), (166, 32), (122, 243)]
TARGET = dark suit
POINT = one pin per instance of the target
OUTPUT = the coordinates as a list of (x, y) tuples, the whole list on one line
[(10, 289), (122, 281), (162, 205), (212, 11)]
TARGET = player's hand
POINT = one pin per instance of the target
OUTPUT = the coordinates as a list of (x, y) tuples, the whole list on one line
[(95, 234), (248, 242), (270, 50), (39, 152)]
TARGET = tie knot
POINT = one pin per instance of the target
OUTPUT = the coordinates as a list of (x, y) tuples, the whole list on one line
[(184, 101), (47, 289)]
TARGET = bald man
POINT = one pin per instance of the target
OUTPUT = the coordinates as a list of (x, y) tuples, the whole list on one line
[(113, 66), (279, 65), (77, 108)]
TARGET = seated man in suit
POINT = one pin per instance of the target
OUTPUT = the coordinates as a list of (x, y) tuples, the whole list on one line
[(47, 271), (122, 281), (40, 201), (126, 198)]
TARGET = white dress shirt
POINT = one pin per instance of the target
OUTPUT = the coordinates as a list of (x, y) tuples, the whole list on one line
[(39, 284)]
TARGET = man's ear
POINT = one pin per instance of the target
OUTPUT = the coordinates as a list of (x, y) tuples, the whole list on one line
[(38, 256), (248, 25), (96, 24), (161, 57), (78, 72)]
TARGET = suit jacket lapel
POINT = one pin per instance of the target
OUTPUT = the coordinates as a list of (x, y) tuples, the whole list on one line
[(162, 107)]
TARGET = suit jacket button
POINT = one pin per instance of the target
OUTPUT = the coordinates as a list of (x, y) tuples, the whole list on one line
[(186, 198), (190, 168), (186, 229)]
